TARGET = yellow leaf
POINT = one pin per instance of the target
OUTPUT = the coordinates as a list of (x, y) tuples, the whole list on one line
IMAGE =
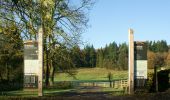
[(48, 3)]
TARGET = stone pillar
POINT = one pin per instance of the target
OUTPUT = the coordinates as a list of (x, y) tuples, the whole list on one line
[(131, 62), (40, 59)]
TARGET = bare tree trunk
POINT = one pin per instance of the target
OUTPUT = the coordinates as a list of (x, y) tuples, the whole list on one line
[(51, 69), (52, 73), (47, 68), (1, 76), (52, 64), (7, 71)]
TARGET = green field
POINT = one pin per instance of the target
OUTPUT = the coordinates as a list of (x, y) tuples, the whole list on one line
[(83, 74), (92, 74)]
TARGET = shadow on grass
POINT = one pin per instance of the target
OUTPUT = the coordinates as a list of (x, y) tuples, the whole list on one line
[(83, 91)]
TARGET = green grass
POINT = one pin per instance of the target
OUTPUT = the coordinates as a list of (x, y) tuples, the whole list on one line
[(53, 92), (34, 93), (23, 93), (92, 74), (83, 74)]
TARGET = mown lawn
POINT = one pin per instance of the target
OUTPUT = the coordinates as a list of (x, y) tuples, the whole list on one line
[(92, 74)]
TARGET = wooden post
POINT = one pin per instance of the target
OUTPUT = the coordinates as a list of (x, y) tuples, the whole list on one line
[(156, 78), (131, 62), (40, 59)]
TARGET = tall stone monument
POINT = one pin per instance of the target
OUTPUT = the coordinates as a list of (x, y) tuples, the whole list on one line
[(131, 62), (137, 64), (40, 59)]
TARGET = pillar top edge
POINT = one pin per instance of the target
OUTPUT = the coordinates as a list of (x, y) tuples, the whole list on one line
[(131, 30)]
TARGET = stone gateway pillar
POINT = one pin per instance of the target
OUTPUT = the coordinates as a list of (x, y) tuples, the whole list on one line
[(40, 59), (131, 62)]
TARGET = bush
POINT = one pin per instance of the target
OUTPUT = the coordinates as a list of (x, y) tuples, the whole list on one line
[(163, 80), (10, 85), (150, 82)]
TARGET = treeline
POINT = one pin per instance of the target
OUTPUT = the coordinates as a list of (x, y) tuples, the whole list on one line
[(115, 56), (112, 56), (158, 54), (158, 46)]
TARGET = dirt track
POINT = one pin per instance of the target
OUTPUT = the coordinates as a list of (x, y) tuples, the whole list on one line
[(99, 96)]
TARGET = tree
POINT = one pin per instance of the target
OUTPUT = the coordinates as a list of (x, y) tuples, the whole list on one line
[(113, 54), (158, 46), (108, 56), (168, 59), (62, 62), (11, 53), (151, 59), (149, 45), (61, 21), (100, 58), (154, 48), (77, 56), (162, 46), (123, 57), (87, 56), (92, 57)]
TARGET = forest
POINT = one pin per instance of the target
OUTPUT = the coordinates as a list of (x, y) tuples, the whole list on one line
[(115, 56)]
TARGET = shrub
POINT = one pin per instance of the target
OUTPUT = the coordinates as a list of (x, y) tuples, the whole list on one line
[(150, 82), (163, 80)]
